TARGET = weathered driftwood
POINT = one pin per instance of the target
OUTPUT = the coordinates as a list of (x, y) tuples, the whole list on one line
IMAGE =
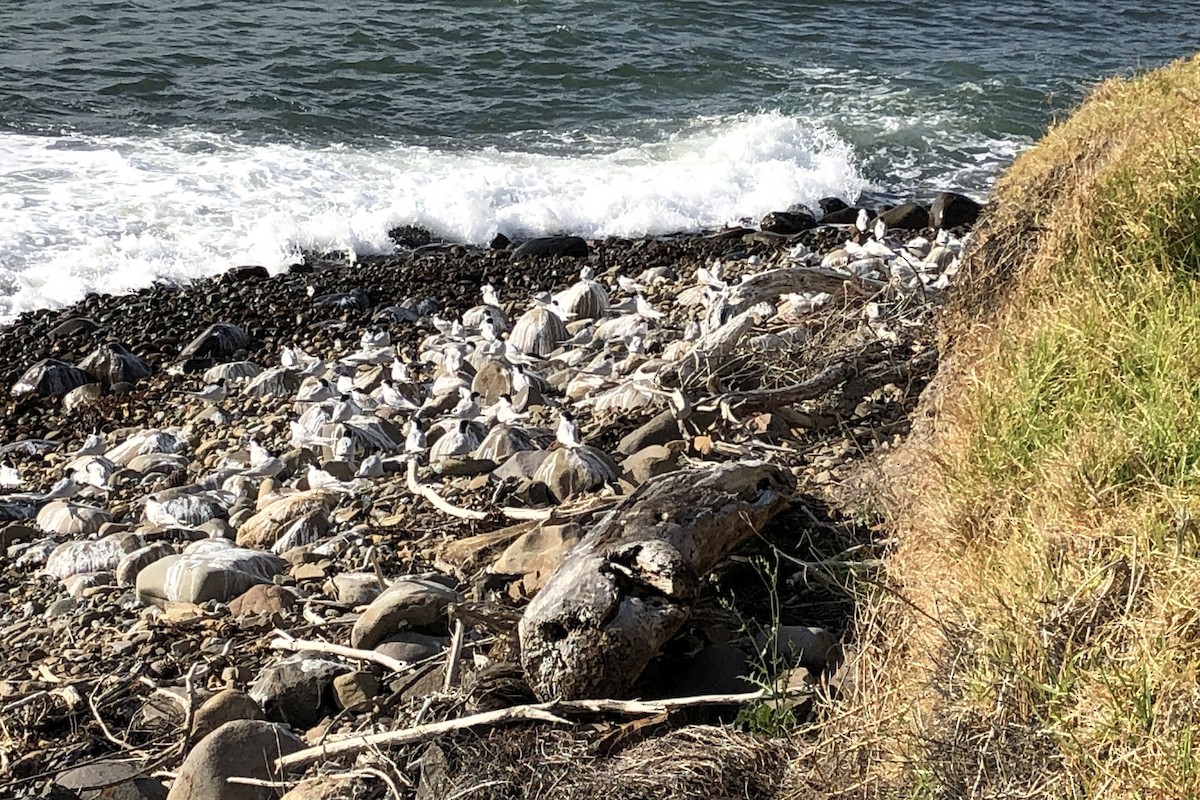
[(629, 585), (771, 284), (541, 712), (859, 375)]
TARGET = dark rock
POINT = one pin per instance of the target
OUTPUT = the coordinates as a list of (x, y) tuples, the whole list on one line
[(500, 242), (551, 247), (73, 327), (845, 216), (409, 603), (717, 669), (906, 217), (652, 460), (112, 363), (355, 690), (950, 209), (787, 222), (265, 598), (244, 274), (297, 690), (410, 236), (411, 647), (830, 205), (218, 342), (50, 378), (242, 748), (111, 780)]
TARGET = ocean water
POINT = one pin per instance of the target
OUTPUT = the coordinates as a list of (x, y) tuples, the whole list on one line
[(143, 142)]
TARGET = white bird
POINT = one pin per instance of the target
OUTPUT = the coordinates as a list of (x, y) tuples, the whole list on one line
[(9, 477), (373, 339), (468, 406), (213, 393), (399, 371), (504, 413), (629, 285), (314, 390), (371, 467), (65, 488), (567, 433), (414, 442), (862, 220), (644, 309), (490, 298), (93, 445)]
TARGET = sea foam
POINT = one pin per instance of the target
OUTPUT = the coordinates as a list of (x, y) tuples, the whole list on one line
[(112, 214)]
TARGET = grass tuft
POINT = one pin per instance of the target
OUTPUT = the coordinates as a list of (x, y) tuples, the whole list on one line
[(1041, 636)]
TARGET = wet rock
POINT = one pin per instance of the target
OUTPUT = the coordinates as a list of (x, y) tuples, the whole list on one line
[(218, 342), (409, 603), (112, 363), (242, 748), (50, 378), (831, 205), (297, 690), (209, 569), (906, 217), (552, 247), (355, 690), (265, 598), (244, 274), (787, 222), (950, 210), (844, 216)]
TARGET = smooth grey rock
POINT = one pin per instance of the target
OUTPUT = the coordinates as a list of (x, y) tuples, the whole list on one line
[(411, 647), (242, 748), (208, 569), (133, 563), (355, 588), (225, 706), (412, 603)]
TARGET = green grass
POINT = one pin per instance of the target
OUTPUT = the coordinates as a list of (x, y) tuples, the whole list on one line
[(1047, 530)]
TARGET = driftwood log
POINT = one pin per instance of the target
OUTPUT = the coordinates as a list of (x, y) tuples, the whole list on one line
[(629, 585)]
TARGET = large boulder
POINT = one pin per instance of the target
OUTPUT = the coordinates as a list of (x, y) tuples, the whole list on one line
[(551, 247), (209, 569), (906, 217), (950, 209), (242, 748)]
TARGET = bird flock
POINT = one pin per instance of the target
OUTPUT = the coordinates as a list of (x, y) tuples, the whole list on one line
[(508, 390)]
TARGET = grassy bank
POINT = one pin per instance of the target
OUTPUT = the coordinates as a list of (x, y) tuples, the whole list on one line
[(1041, 635)]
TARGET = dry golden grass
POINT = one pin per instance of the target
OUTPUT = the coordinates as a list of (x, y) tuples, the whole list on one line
[(1040, 634)]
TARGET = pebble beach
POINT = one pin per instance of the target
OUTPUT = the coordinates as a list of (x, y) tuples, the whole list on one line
[(316, 505)]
